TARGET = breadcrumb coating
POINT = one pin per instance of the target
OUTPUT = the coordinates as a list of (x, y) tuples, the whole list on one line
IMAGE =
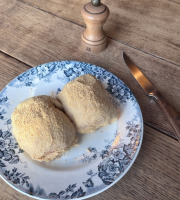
[(87, 104), (42, 129)]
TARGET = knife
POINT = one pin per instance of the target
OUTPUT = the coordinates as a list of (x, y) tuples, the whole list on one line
[(150, 90)]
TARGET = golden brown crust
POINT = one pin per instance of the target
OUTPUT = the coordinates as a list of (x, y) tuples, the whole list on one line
[(41, 128), (87, 104)]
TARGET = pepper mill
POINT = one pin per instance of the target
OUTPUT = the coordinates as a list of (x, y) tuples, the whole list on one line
[(94, 39)]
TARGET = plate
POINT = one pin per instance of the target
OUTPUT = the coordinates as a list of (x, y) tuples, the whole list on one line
[(101, 158)]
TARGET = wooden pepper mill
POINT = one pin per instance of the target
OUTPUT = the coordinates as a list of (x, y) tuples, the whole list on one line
[(94, 39)]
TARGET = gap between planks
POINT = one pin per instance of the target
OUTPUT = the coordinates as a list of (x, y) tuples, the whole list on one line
[(160, 130), (175, 1), (15, 59)]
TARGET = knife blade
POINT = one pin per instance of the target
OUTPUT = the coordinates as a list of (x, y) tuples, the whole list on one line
[(150, 90), (140, 77)]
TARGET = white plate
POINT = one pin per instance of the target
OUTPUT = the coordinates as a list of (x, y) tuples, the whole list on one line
[(101, 159)]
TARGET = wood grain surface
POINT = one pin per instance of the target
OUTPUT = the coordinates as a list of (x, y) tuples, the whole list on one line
[(154, 174), (34, 37), (36, 32), (10, 68), (151, 26)]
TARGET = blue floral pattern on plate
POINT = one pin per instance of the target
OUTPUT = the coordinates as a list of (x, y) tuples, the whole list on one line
[(85, 170)]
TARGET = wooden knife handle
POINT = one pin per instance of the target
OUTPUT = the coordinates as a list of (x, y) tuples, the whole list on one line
[(170, 113)]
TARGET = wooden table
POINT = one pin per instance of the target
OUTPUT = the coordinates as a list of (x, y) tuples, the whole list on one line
[(36, 32)]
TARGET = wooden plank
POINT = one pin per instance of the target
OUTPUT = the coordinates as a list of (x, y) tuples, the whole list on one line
[(154, 174), (36, 37), (151, 26), (10, 68)]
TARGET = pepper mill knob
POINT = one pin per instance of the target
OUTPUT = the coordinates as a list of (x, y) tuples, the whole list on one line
[(94, 39), (96, 2)]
